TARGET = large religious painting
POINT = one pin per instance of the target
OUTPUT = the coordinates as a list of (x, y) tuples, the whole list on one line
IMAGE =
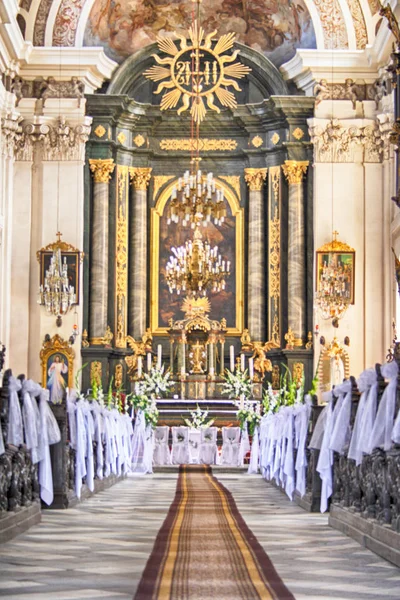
[(276, 28), (228, 237)]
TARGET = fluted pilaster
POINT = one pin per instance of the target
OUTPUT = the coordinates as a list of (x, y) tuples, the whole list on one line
[(140, 178), (294, 172), (102, 170), (255, 179)]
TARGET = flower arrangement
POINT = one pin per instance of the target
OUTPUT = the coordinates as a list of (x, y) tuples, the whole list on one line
[(156, 382), (237, 384), (271, 400), (249, 412), (199, 419), (151, 414)]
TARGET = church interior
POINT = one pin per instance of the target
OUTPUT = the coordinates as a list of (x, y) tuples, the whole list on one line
[(199, 299)]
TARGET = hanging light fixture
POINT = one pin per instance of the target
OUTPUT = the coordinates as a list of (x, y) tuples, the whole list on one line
[(196, 200), (196, 268), (335, 279), (55, 292)]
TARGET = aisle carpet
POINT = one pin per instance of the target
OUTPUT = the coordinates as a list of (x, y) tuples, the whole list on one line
[(204, 550)]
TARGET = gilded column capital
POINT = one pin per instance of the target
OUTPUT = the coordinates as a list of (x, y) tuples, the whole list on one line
[(140, 177), (255, 178), (102, 169), (294, 170)]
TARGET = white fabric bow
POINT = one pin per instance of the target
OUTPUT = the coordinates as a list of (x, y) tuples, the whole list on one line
[(15, 432)]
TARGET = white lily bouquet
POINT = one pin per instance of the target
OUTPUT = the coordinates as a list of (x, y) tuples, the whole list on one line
[(237, 384), (271, 400), (151, 413), (249, 412), (199, 419), (156, 383)]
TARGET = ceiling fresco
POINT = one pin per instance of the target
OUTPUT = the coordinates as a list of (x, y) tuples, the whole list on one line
[(275, 28)]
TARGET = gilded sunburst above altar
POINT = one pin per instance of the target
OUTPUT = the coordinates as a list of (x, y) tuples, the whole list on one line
[(197, 72)]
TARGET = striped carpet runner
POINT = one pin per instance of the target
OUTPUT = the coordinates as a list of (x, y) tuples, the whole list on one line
[(204, 550)]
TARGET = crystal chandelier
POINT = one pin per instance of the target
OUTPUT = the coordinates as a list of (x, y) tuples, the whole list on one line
[(195, 200), (335, 279), (55, 293), (196, 268)]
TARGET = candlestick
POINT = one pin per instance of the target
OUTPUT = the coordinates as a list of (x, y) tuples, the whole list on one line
[(232, 358), (251, 368), (149, 362), (139, 366), (159, 355), (242, 363)]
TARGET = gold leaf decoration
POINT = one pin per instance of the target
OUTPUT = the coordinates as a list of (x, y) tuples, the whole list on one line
[(139, 140), (257, 141), (275, 138), (99, 131), (204, 144), (298, 133), (121, 137)]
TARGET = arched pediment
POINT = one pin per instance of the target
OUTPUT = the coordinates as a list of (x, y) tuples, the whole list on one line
[(264, 78)]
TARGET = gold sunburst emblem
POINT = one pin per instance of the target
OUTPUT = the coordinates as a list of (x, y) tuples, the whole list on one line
[(198, 71), (195, 306)]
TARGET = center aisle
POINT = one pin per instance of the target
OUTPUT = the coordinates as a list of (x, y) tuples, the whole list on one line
[(99, 549)]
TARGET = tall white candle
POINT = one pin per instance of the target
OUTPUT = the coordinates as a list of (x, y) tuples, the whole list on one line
[(251, 368), (159, 356), (139, 366), (242, 363), (232, 358), (149, 362)]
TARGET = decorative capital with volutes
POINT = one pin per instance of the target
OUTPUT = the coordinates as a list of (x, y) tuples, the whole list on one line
[(140, 177), (294, 170), (255, 178), (102, 169)]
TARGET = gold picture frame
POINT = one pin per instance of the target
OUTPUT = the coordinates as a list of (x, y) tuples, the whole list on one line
[(156, 214), (74, 259), (57, 346), (340, 254)]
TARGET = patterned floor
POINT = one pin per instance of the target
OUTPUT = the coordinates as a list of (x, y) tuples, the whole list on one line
[(99, 549)]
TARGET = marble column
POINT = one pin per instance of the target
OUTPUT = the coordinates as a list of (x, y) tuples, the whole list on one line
[(102, 170), (255, 179), (140, 178), (294, 172)]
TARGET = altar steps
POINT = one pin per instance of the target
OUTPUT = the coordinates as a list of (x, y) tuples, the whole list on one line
[(173, 411)]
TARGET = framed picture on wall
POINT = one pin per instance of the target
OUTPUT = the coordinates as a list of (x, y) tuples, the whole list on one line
[(69, 255), (57, 360), (336, 263)]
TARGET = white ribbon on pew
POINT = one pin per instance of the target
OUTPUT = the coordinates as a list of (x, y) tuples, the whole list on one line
[(49, 434), (15, 432), (302, 418), (366, 380), (80, 462), (255, 452), (325, 460), (381, 436), (31, 417), (341, 417)]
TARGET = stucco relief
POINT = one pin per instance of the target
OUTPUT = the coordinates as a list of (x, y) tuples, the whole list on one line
[(66, 22)]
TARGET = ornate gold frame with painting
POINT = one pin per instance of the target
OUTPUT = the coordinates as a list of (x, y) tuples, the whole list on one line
[(156, 214), (57, 345), (324, 368)]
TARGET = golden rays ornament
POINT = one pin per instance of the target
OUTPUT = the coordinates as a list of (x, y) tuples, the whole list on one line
[(199, 72)]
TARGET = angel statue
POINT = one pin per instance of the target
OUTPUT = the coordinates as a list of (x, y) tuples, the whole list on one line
[(139, 349), (262, 364)]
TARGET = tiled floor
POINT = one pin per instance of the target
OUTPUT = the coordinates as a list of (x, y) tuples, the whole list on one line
[(99, 549)]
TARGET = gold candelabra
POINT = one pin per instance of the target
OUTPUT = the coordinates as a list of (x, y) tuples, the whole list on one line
[(196, 268)]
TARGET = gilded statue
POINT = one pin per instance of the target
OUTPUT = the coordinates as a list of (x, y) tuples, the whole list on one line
[(246, 340), (108, 337), (139, 349), (262, 364)]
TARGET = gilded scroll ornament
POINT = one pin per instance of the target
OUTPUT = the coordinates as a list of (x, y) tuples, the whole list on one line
[(159, 181), (255, 178), (257, 141), (275, 377), (290, 339), (108, 337), (275, 330), (274, 256), (201, 144), (118, 376), (140, 177), (295, 170), (96, 372), (102, 169), (234, 182), (121, 256)]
